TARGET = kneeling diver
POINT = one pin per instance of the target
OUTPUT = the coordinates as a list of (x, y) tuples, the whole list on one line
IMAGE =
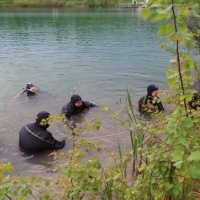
[(35, 137)]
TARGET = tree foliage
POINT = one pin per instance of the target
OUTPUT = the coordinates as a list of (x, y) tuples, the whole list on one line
[(58, 3)]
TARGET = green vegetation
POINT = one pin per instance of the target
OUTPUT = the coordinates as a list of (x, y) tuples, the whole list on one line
[(59, 3), (164, 161), (65, 3)]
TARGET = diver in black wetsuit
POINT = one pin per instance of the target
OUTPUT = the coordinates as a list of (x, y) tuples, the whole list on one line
[(35, 137), (151, 101), (75, 106), (195, 102)]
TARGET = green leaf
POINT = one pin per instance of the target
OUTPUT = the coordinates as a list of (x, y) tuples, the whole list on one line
[(178, 163), (183, 141), (168, 186), (105, 108), (188, 122), (97, 127), (145, 13), (191, 64), (182, 28), (171, 81), (161, 16), (181, 41), (15, 193), (168, 8), (122, 123), (154, 17), (117, 112), (184, 12), (177, 154), (171, 128), (165, 30), (194, 171), (190, 44), (174, 37), (194, 156), (182, 97), (47, 183), (175, 191)]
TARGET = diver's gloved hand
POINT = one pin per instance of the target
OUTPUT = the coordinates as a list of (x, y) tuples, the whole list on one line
[(62, 144), (92, 105)]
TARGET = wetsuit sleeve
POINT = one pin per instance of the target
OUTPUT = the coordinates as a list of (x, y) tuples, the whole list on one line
[(55, 143), (88, 104), (68, 114), (66, 111), (140, 105)]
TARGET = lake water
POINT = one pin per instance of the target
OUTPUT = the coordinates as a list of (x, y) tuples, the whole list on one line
[(98, 52)]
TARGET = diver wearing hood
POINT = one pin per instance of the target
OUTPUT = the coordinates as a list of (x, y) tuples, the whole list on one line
[(30, 89), (75, 106), (35, 137), (151, 101)]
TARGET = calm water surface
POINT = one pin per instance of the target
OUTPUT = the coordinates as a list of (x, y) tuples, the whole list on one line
[(97, 51)]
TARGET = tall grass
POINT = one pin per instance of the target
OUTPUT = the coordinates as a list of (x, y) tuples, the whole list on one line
[(137, 135)]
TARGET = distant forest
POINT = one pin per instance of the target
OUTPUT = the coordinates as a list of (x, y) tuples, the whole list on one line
[(64, 3)]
